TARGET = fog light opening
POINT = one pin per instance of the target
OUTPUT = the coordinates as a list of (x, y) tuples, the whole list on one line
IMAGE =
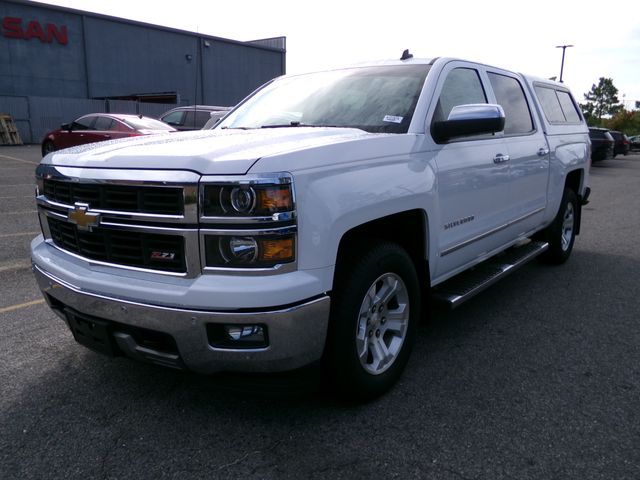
[(236, 336)]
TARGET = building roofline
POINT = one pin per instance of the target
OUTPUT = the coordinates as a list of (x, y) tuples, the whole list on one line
[(141, 24)]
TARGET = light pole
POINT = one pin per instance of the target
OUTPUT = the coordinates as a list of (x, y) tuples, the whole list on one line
[(563, 47)]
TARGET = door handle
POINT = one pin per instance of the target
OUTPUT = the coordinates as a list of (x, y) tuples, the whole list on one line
[(542, 152), (500, 158)]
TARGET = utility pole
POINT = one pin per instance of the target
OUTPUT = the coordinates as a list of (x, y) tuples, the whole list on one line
[(563, 47)]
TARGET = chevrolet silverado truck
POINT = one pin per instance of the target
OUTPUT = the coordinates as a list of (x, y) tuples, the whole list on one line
[(313, 223)]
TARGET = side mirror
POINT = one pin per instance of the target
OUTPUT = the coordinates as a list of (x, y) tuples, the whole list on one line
[(66, 126), (468, 120)]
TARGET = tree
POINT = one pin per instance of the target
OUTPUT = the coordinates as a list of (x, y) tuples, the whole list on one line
[(626, 121), (601, 100)]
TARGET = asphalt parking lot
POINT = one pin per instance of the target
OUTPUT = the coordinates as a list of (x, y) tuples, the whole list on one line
[(536, 378)]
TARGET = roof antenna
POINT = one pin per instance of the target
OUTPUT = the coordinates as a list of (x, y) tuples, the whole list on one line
[(406, 55)]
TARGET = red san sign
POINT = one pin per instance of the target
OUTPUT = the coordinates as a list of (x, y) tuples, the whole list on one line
[(13, 27)]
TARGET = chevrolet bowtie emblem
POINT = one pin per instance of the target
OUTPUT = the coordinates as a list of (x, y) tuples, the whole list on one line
[(82, 218)]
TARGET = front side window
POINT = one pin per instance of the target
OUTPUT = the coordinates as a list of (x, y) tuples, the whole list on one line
[(461, 87), (173, 118), (510, 96), (374, 99), (83, 123)]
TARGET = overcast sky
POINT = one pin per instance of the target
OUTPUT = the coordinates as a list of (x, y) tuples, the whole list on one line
[(510, 34)]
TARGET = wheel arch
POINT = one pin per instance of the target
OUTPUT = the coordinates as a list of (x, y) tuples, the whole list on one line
[(574, 182), (409, 229)]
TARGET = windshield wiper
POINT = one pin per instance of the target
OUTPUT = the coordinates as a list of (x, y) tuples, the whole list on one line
[(297, 124), (237, 128)]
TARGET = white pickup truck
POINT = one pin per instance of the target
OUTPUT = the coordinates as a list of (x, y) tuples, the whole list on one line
[(315, 221)]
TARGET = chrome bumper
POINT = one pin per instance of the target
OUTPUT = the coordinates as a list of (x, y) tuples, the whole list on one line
[(296, 334)]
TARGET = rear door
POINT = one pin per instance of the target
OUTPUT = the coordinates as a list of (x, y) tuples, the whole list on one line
[(528, 152)]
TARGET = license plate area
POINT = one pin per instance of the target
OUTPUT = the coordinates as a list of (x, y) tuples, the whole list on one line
[(91, 333)]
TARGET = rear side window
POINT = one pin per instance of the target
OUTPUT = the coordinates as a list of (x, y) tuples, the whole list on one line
[(557, 105), (510, 96), (461, 87), (550, 104), (103, 123), (568, 107), (196, 119)]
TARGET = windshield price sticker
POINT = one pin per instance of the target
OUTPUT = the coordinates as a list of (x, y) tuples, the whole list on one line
[(392, 119)]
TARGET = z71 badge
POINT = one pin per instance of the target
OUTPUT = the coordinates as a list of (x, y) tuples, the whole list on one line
[(163, 256)]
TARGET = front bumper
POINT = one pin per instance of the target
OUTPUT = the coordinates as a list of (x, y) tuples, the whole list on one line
[(296, 334)]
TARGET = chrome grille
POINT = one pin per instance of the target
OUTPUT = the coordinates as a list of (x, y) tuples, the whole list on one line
[(129, 248), (135, 198)]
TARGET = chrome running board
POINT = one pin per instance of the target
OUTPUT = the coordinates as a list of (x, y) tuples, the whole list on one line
[(466, 285)]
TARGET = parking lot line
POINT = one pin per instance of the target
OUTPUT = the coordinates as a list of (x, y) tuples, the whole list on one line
[(19, 234), (8, 177), (11, 308), (15, 266), (19, 160)]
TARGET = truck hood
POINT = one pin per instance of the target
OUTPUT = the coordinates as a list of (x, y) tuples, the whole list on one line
[(217, 152)]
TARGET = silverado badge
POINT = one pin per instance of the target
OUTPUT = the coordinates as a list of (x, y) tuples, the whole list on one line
[(82, 218)]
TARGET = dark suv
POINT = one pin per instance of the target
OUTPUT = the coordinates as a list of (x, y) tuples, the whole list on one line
[(622, 143), (601, 144), (193, 117)]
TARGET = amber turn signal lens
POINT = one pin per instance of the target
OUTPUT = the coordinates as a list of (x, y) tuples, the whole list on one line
[(277, 250), (275, 199)]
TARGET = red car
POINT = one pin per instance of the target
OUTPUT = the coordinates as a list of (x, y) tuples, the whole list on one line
[(97, 127)]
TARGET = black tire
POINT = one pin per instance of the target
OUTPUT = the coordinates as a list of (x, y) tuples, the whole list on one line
[(561, 234), (374, 269), (47, 147)]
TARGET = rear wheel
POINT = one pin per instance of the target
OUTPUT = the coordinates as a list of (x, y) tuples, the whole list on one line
[(561, 234), (374, 313)]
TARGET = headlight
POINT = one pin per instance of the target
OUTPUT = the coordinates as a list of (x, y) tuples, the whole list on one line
[(258, 251), (248, 222), (246, 200)]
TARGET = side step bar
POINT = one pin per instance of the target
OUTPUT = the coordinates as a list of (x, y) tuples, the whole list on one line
[(466, 285)]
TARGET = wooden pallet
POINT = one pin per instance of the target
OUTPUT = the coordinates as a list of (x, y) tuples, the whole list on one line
[(9, 134)]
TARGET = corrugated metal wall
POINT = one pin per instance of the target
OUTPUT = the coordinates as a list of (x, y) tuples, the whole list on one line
[(35, 116), (45, 83)]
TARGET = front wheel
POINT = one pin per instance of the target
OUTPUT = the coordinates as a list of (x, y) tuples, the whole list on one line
[(561, 234), (374, 313)]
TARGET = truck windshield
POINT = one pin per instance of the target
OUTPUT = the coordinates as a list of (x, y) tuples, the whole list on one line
[(374, 99)]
